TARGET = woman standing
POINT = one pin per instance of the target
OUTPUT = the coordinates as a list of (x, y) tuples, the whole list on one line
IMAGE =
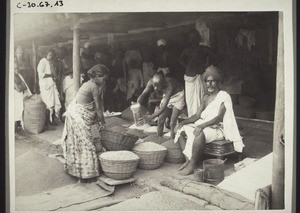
[(84, 113), (49, 93)]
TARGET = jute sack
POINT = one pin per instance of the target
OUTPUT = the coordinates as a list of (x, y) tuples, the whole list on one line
[(34, 114)]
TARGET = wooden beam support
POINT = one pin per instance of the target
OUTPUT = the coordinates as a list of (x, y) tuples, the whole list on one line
[(76, 58), (277, 201), (34, 65)]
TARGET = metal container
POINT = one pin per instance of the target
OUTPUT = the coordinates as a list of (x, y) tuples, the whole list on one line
[(199, 175), (136, 112), (213, 171)]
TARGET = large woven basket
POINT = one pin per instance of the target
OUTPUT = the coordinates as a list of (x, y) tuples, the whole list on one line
[(113, 141), (150, 160), (118, 169)]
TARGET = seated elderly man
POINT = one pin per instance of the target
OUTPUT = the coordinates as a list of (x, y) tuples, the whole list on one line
[(171, 104), (214, 120)]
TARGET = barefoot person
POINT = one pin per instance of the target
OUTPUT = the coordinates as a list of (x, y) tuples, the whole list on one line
[(214, 120), (171, 104), (49, 93), (83, 113), (196, 58)]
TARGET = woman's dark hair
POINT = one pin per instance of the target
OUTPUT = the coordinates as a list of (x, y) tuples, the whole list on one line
[(98, 70), (50, 51)]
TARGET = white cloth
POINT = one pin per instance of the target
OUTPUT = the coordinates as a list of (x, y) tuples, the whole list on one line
[(176, 100), (68, 89), (49, 92), (230, 128), (194, 91), (201, 27), (18, 105), (19, 102)]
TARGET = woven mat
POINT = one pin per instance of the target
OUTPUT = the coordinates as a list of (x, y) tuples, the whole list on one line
[(61, 198)]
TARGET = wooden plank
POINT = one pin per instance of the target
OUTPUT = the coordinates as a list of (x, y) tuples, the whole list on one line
[(277, 201), (34, 65), (76, 59)]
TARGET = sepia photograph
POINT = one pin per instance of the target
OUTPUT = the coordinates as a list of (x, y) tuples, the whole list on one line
[(149, 110)]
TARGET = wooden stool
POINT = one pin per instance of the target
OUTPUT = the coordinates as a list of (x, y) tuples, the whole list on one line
[(219, 149)]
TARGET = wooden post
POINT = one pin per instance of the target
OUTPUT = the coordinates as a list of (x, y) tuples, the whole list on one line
[(277, 200), (34, 64), (76, 58)]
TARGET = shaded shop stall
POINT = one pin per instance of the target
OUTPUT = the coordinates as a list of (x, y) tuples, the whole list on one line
[(247, 42)]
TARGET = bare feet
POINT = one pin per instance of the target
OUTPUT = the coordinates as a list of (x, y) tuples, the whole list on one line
[(183, 165), (187, 170)]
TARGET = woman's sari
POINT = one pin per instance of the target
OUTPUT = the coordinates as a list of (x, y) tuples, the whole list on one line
[(78, 141)]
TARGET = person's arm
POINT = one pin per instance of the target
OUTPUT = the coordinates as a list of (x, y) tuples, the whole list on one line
[(164, 105), (183, 59), (194, 117), (145, 91), (117, 87), (99, 107), (211, 122), (141, 78)]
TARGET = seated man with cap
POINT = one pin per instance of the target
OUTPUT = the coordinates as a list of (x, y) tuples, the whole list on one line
[(213, 121)]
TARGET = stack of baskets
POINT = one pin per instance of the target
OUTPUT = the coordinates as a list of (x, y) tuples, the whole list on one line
[(174, 153), (119, 165), (151, 155), (114, 140)]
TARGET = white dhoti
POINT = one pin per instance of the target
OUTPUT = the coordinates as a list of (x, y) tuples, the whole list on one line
[(48, 89), (19, 102), (194, 91), (176, 100), (229, 131), (50, 97)]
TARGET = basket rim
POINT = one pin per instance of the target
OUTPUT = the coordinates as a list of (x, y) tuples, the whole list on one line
[(150, 152), (120, 161), (125, 134)]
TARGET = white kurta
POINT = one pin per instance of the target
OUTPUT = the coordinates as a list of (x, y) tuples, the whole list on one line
[(49, 92)]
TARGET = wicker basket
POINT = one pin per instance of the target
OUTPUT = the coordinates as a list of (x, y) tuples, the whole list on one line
[(174, 153), (113, 141), (119, 169), (150, 160)]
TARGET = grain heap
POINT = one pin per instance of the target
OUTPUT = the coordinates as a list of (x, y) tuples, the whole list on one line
[(119, 155), (118, 165), (155, 139), (152, 155), (136, 132)]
